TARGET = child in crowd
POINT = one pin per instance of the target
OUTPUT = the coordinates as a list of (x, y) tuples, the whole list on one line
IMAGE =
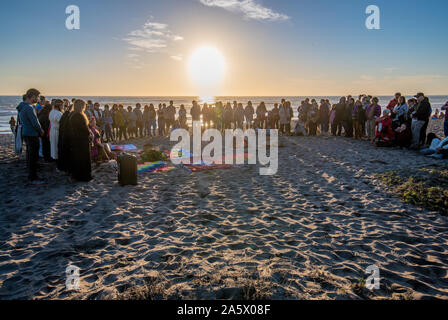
[(12, 124)]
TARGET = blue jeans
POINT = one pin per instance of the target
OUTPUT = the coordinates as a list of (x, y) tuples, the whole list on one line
[(445, 127), (151, 125)]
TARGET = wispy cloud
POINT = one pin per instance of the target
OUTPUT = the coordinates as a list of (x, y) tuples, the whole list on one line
[(250, 8), (152, 37)]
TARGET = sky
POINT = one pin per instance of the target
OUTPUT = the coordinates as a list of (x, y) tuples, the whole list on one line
[(270, 47)]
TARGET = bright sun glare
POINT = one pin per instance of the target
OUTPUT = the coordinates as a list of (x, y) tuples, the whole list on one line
[(207, 69)]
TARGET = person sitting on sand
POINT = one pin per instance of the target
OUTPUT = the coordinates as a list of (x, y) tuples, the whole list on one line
[(437, 147), (385, 135), (100, 152)]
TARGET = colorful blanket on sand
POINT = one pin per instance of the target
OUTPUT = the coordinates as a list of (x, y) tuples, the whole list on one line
[(126, 148), (158, 166)]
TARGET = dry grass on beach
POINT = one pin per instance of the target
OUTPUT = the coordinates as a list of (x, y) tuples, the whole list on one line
[(308, 232)]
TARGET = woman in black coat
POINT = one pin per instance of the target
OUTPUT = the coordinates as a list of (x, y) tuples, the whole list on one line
[(80, 140), (44, 120), (64, 140)]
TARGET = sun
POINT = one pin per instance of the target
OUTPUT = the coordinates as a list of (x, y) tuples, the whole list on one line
[(207, 68)]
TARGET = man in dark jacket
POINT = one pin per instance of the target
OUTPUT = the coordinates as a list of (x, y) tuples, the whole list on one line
[(31, 131), (339, 118), (419, 119)]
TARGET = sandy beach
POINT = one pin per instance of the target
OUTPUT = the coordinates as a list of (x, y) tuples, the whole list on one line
[(308, 232)]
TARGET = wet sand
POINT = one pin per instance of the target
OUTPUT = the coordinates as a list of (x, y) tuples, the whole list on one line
[(308, 232)]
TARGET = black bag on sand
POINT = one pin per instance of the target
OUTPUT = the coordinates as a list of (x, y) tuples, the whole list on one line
[(127, 170)]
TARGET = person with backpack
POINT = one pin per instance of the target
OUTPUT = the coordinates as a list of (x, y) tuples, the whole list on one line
[(31, 130)]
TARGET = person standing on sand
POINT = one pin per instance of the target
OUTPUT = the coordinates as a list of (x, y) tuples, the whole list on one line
[(445, 124), (227, 117), (275, 115), (392, 104), (107, 121), (139, 121), (419, 117), (183, 117), (261, 116), (171, 114), (12, 124), (44, 120), (285, 120), (63, 163), (80, 137), (349, 117), (55, 118), (239, 116), (131, 123), (339, 117), (249, 115), (195, 111), (313, 118), (160, 120), (324, 116), (212, 116), (31, 130), (40, 105), (357, 117), (373, 112), (120, 121)]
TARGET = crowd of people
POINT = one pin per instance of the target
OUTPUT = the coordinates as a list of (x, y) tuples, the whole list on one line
[(76, 133)]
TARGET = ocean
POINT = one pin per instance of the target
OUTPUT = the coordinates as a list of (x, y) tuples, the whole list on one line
[(8, 104)]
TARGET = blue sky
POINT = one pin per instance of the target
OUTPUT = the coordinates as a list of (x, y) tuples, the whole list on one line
[(307, 47)]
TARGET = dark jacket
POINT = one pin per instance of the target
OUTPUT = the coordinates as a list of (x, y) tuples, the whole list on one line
[(423, 110), (28, 119)]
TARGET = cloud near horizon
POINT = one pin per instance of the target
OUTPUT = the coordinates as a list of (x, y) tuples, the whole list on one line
[(250, 8)]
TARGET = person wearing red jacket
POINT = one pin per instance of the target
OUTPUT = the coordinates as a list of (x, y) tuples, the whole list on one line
[(385, 135), (394, 102)]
